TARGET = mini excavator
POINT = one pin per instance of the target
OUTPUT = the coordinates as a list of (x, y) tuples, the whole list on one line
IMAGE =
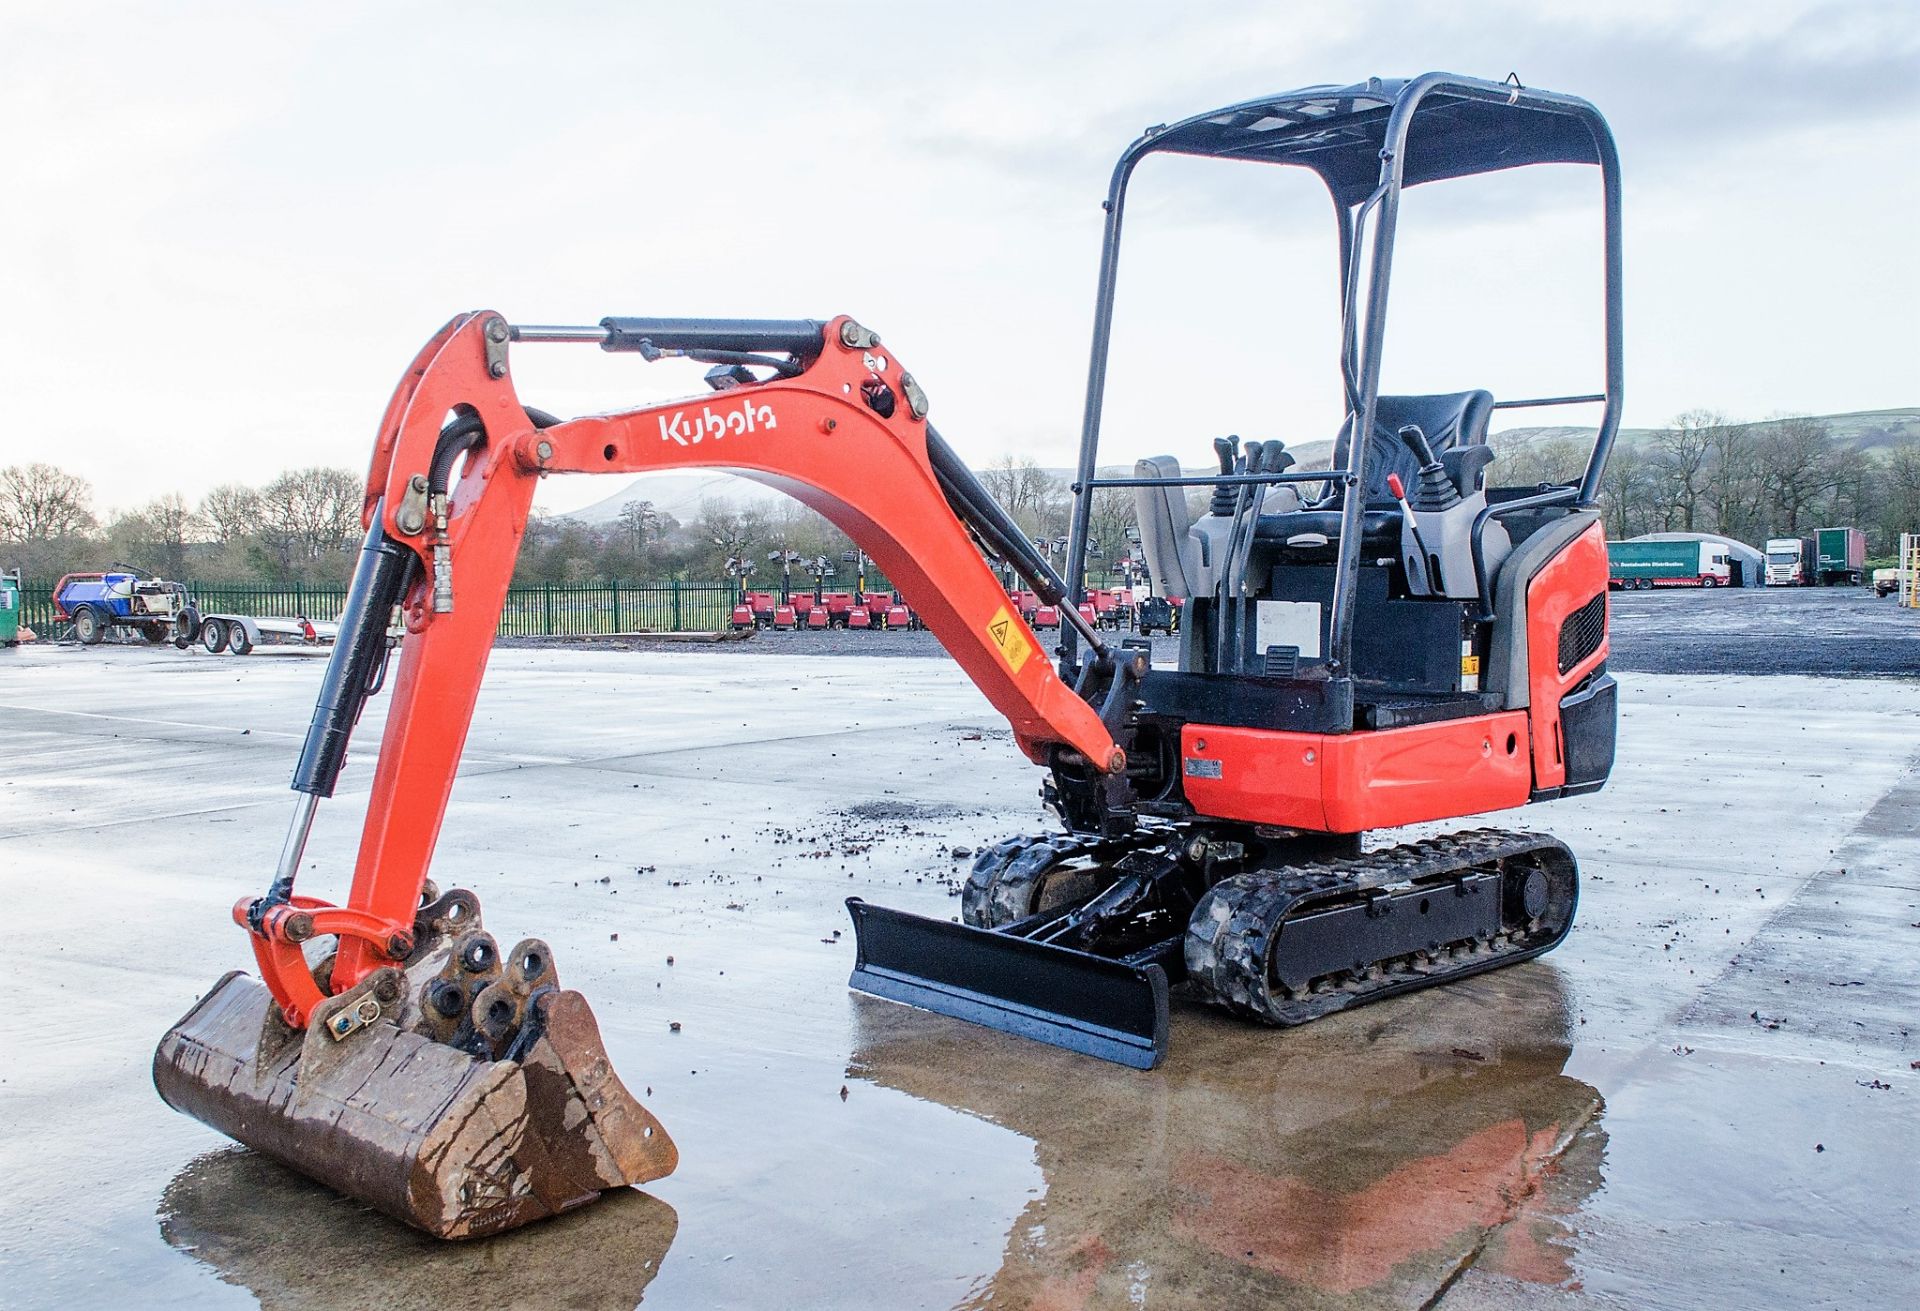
[(1392, 639)]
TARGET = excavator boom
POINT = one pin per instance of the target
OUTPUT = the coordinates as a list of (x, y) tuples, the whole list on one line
[(392, 1065)]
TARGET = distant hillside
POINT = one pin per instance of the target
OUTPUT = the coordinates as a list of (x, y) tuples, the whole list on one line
[(1863, 430), (680, 494)]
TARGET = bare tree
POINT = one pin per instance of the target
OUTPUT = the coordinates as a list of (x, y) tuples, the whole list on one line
[(1900, 494), (39, 502), (1035, 498), (156, 536), (1628, 492), (231, 511), (1799, 465), (1735, 489), (1550, 460), (1108, 520), (641, 523), (307, 514), (1681, 453)]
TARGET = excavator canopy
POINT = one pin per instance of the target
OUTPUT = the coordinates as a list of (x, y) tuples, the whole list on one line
[(1340, 131)]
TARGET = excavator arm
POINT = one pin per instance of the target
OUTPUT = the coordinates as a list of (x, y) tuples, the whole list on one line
[(841, 427), (416, 1066)]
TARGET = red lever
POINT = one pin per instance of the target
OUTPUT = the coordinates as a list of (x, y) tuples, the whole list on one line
[(1398, 488)]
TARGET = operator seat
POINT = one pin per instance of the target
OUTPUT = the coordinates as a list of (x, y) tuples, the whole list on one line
[(1181, 564), (1455, 424)]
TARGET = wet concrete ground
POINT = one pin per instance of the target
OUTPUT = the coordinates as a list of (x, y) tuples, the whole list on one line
[(1706, 1097)]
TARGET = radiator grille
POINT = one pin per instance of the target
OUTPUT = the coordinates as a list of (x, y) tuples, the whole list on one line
[(1582, 633)]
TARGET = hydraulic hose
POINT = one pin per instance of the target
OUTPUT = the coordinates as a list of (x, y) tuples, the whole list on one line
[(461, 436), (977, 508)]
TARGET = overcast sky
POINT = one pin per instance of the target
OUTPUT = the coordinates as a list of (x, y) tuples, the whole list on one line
[(227, 228)]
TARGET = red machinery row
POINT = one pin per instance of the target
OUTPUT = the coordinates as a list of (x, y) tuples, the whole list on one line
[(828, 610), (1112, 608)]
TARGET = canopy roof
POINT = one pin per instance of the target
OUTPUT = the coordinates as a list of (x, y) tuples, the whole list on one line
[(1338, 132)]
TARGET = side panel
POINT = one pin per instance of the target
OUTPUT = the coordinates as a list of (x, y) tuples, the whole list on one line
[(1351, 782), (1569, 581)]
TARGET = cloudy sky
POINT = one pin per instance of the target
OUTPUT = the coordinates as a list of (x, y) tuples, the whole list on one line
[(227, 228)]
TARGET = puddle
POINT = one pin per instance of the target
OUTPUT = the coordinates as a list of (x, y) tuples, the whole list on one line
[(1361, 1161), (293, 1243)]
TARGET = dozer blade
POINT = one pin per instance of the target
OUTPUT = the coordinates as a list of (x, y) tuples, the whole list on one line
[(370, 1102), (1085, 1003)]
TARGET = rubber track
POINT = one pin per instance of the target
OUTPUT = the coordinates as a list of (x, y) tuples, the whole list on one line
[(1000, 887), (1231, 935)]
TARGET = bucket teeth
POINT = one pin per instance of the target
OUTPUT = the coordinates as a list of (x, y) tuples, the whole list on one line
[(371, 1101)]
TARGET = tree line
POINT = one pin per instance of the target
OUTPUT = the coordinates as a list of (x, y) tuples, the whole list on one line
[(301, 527), (1706, 473), (1700, 473)]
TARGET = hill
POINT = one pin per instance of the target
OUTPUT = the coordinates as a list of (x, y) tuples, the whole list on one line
[(1862, 430)]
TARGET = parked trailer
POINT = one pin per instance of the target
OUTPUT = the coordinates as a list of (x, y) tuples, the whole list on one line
[(1641, 565), (1840, 557), (119, 598), (241, 634)]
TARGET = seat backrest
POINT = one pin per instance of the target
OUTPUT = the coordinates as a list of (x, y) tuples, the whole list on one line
[(1164, 521), (1451, 420)]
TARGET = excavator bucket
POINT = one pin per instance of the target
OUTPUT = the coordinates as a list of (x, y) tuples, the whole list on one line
[(461, 1094)]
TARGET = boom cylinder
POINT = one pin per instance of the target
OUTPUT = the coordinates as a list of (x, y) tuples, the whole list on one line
[(379, 578)]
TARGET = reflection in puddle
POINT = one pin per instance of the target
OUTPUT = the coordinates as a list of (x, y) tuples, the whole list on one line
[(293, 1243), (1363, 1158)]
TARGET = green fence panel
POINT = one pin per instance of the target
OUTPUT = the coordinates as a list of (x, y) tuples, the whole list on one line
[(536, 610)]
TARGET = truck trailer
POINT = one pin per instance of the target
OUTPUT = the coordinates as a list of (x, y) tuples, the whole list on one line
[(1840, 557), (1639, 565), (1790, 562)]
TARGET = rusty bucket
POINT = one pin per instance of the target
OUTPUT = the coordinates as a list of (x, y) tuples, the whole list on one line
[(462, 1093)]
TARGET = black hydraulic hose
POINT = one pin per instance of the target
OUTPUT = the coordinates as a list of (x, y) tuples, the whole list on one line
[(461, 436), (456, 439), (977, 508), (380, 578)]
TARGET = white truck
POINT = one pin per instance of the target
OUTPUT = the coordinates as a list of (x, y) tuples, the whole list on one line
[(1790, 562)]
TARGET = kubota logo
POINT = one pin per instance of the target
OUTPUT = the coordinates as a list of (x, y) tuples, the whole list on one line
[(691, 430)]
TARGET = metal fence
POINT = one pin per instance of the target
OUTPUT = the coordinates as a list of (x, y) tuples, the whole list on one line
[(538, 610)]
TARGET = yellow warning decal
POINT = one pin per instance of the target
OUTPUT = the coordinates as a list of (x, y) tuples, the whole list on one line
[(1009, 639), (1470, 664)]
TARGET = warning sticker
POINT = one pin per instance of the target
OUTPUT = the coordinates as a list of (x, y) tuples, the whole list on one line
[(1009, 639)]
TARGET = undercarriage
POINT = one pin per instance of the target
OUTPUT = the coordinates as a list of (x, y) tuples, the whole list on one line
[(1077, 940)]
